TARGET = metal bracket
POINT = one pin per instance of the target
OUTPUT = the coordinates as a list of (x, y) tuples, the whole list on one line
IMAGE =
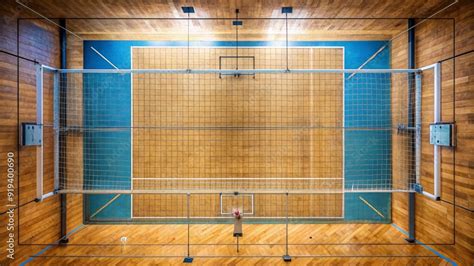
[(418, 188), (402, 128), (31, 134), (441, 134)]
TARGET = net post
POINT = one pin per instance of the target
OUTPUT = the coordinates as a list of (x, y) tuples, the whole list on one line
[(286, 257), (237, 244), (56, 129), (188, 258), (60, 92), (436, 67), (412, 195), (418, 127), (39, 121), (437, 119), (413, 118)]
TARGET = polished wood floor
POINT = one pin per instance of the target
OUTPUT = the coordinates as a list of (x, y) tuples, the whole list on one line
[(213, 244)]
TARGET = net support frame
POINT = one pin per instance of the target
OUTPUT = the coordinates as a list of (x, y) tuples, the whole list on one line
[(418, 127), (436, 67), (41, 69), (39, 121), (234, 71)]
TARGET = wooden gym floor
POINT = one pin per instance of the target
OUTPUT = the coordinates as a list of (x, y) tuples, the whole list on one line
[(213, 244)]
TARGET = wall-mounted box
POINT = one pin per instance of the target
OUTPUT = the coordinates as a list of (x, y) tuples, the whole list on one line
[(441, 134), (31, 134)]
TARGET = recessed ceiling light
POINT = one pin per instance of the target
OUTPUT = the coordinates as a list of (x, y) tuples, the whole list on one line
[(187, 9)]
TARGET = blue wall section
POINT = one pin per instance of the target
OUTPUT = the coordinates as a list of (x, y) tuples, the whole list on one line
[(108, 95), (107, 105), (368, 152)]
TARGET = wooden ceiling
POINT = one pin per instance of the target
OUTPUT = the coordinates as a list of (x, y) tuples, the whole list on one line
[(206, 27), (226, 8), (251, 29)]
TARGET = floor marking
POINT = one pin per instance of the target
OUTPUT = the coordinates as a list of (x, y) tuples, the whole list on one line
[(50, 246), (372, 207), (232, 256), (105, 205), (37, 254), (427, 247)]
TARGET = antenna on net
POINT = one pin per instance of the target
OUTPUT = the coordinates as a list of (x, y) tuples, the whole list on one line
[(287, 10), (237, 23), (188, 10)]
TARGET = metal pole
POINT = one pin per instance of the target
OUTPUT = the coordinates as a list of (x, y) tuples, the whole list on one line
[(188, 48), (287, 218), (39, 121), (62, 105), (286, 257), (237, 244), (412, 116), (188, 258), (187, 209), (437, 119), (56, 129), (287, 57), (237, 40), (418, 128)]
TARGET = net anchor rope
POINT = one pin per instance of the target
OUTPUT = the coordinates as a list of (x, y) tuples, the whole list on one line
[(287, 45), (236, 24)]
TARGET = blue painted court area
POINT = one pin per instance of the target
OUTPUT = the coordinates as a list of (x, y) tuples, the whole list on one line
[(361, 147)]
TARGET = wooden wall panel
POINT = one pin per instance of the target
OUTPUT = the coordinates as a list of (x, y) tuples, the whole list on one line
[(8, 120), (40, 41), (8, 143), (8, 27), (39, 222), (432, 46), (35, 223), (447, 222), (464, 118), (435, 221)]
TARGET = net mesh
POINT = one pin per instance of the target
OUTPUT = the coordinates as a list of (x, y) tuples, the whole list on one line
[(313, 135)]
